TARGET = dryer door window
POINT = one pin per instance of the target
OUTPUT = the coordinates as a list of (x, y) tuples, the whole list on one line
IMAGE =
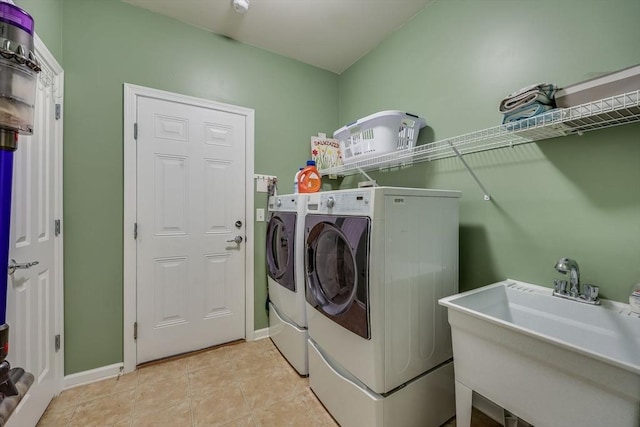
[(334, 276), (280, 256), (337, 270)]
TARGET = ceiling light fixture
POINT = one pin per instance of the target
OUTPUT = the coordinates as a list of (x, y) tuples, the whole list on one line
[(240, 6)]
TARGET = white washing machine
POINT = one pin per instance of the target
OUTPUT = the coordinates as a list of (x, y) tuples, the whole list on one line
[(377, 260), (285, 266)]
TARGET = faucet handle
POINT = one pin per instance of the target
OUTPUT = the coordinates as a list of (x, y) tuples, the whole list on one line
[(591, 292), (560, 286)]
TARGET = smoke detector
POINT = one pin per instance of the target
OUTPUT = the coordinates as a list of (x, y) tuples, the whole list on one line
[(240, 6)]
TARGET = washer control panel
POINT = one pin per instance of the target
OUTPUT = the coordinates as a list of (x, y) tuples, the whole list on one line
[(346, 201), (286, 203)]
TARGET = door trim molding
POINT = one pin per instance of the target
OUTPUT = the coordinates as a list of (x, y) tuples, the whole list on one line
[(131, 94), (50, 64)]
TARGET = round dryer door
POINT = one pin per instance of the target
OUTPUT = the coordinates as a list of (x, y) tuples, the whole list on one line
[(331, 269), (280, 256), (337, 262)]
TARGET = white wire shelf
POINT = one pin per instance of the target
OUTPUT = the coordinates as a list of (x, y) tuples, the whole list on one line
[(607, 112)]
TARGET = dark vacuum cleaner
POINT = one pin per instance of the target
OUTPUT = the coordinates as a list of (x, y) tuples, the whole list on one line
[(19, 70)]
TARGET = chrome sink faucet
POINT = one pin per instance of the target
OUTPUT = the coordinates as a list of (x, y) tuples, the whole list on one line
[(568, 265)]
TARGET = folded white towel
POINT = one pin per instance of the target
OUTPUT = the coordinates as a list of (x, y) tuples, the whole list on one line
[(541, 93)]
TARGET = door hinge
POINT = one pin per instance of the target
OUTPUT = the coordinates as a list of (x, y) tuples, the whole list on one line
[(135, 330), (135, 131), (58, 111), (135, 230), (57, 227), (57, 342)]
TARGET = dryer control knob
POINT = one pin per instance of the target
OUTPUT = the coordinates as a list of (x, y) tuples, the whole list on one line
[(330, 202), (278, 203)]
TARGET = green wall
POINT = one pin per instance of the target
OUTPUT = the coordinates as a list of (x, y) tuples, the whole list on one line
[(575, 196)]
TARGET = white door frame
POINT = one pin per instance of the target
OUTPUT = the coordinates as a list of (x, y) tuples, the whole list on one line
[(50, 65), (131, 94)]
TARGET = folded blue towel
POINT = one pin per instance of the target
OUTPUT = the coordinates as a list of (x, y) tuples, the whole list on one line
[(531, 122), (526, 112), (542, 93)]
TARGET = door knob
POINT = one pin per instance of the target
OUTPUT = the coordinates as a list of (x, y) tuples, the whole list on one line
[(13, 265), (237, 240)]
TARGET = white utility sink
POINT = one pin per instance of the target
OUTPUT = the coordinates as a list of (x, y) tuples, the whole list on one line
[(550, 361)]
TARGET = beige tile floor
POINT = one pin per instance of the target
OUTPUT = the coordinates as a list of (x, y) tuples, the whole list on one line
[(237, 385)]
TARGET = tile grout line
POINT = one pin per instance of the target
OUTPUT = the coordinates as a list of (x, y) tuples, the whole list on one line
[(135, 396), (193, 419), (73, 411), (237, 383), (80, 400)]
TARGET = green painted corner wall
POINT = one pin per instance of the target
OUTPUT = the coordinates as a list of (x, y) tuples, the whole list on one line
[(575, 196), (107, 43)]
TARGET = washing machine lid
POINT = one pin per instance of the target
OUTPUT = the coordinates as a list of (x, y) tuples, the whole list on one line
[(281, 234), (337, 269)]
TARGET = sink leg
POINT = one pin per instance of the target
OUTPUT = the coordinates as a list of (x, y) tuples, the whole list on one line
[(464, 396)]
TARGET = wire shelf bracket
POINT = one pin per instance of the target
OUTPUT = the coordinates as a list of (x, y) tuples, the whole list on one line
[(487, 197)]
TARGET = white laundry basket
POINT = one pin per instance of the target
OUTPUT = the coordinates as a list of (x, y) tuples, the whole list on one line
[(380, 133)]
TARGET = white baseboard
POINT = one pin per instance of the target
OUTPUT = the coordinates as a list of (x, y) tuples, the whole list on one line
[(260, 334), (91, 376)]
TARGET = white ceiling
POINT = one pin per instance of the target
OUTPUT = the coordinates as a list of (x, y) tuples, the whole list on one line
[(329, 34)]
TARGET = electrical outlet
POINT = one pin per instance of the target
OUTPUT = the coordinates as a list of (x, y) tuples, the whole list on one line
[(260, 215)]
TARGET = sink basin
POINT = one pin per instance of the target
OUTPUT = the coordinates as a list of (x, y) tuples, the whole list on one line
[(550, 361)]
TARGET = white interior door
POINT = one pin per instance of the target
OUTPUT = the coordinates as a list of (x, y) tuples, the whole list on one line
[(34, 294), (190, 208)]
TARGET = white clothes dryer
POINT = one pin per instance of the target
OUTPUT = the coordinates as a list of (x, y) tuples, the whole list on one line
[(377, 260), (285, 266)]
